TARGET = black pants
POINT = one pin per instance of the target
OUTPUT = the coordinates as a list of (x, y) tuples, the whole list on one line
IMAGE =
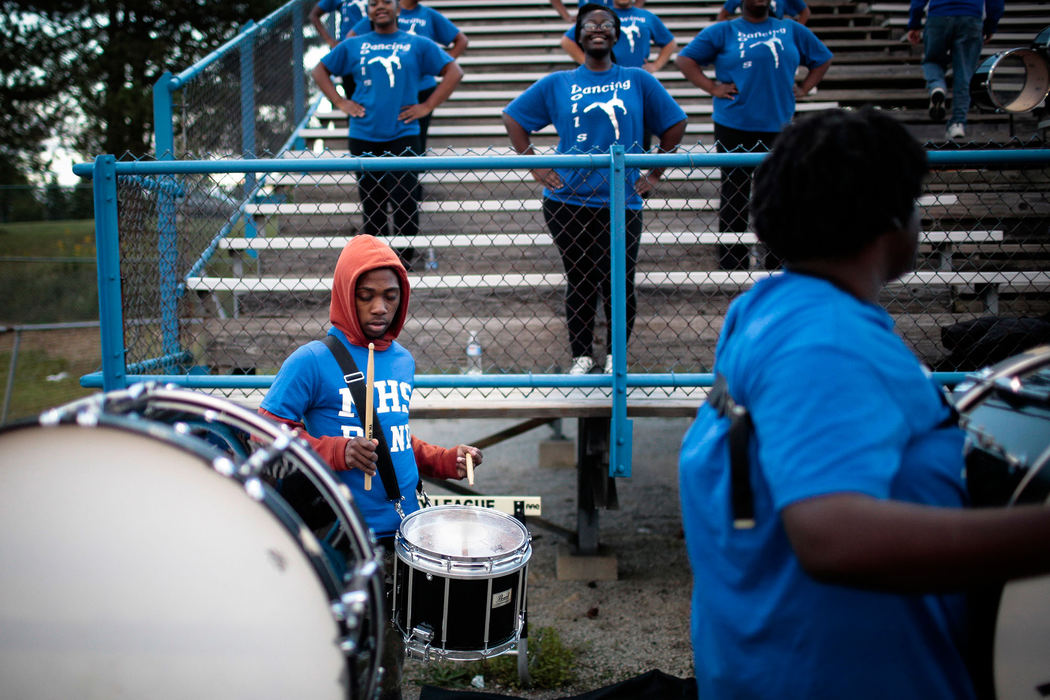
[(735, 206), (582, 237), (393, 191), (424, 123)]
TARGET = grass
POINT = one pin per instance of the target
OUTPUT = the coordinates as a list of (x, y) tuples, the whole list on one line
[(47, 275), (551, 665), (60, 283)]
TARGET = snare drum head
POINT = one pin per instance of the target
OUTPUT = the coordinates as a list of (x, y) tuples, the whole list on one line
[(132, 569), (463, 533)]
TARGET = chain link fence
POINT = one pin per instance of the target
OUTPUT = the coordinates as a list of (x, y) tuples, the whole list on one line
[(245, 294), (247, 98)]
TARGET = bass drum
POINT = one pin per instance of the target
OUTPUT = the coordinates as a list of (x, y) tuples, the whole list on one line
[(1015, 81), (147, 552), (1005, 411)]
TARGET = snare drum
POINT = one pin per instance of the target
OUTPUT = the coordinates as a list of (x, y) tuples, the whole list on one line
[(1017, 80), (1005, 410), (145, 556), (460, 582)]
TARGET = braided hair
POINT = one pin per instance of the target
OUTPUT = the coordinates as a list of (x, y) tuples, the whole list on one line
[(834, 182)]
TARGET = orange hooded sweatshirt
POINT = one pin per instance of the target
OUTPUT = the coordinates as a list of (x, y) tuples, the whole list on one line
[(364, 253)]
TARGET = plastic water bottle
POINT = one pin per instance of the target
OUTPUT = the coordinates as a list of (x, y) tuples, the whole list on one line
[(432, 261), (473, 354)]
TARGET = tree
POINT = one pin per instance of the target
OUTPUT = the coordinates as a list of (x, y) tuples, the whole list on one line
[(86, 69)]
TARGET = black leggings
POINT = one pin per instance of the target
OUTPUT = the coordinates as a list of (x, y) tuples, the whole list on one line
[(582, 237), (396, 189), (735, 207)]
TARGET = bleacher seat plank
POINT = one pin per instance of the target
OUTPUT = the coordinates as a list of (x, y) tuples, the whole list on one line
[(734, 280), (536, 239), (456, 206)]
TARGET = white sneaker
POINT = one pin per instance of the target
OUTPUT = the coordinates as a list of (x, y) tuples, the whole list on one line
[(955, 131), (581, 365), (608, 364)]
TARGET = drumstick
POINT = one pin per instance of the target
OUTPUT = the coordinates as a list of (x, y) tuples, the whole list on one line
[(470, 469), (370, 371)]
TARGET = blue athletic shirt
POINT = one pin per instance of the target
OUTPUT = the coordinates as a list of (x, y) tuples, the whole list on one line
[(350, 13), (310, 387), (591, 112), (387, 72), (761, 60), (421, 21), (639, 29), (777, 8), (839, 404)]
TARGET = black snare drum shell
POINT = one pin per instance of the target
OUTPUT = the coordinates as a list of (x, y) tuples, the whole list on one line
[(461, 625)]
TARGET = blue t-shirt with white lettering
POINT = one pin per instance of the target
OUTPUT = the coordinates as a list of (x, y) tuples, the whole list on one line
[(591, 112), (309, 387), (350, 13), (760, 58), (639, 29), (387, 69), (421, 21)]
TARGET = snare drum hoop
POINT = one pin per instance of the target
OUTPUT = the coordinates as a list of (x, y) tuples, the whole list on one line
[(977, 387), (461, 566), (360, 596)]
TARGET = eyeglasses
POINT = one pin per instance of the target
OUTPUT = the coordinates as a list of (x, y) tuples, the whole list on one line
[(607, 25)]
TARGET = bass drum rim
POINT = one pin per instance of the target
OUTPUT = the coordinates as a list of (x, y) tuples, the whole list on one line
[(1036, 84)]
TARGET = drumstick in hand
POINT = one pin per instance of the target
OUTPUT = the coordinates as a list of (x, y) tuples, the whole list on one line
[(370, 371), (470, 469)]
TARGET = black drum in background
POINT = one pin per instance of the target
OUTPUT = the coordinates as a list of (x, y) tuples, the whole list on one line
[(148, 553), (1017, 80), (460, 582), (1005, 410)]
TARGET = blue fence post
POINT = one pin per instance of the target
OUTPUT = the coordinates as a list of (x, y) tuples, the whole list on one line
[(298, 74), (621, 429), (248, 114), (164, 143), (107, 255)]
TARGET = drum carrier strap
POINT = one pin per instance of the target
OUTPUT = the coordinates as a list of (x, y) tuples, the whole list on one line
[(741, 497), (355, 381)]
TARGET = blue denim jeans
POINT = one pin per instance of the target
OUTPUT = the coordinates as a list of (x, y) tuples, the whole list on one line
[(958, 40)]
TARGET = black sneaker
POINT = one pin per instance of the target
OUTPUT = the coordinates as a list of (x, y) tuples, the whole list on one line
[(937, 104)]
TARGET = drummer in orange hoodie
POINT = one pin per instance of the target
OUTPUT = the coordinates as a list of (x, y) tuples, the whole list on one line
[(370, 294)]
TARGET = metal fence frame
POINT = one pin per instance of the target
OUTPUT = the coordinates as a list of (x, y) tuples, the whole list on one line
[(115, 374)]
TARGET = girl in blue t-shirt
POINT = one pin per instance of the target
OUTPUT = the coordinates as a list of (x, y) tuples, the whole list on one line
[(384, 112), (596, 106), (424, 21), (755, 59)]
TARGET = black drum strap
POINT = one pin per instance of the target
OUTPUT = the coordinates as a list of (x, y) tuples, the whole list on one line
[(741, 495), (355, 381)]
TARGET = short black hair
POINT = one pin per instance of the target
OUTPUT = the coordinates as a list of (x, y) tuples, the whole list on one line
[(834, 182), (586, 10)]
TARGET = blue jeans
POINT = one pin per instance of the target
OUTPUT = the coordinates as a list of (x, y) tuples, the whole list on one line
[(959, 40)]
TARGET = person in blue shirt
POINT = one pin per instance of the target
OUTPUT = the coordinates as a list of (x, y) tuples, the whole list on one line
[(955, 32), (639, 31), (423, 21), (350, 13), (755, 58), (777, 8), (384, 112), (595, 106), (828, 531), (370, 293)]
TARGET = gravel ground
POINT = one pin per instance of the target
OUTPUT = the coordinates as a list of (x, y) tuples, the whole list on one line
[(621, 628)]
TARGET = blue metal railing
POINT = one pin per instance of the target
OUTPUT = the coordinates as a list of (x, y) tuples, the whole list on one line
[(105, 172)]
